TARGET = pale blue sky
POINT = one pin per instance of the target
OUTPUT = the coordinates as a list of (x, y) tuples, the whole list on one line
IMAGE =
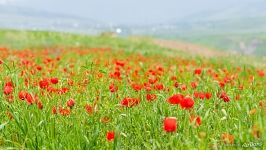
[(126, 11)]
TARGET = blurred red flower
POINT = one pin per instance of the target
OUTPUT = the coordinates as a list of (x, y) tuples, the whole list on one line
[(110, 135), (170, 124)]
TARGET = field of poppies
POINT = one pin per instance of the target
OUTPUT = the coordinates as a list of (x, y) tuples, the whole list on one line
[(116, 94)]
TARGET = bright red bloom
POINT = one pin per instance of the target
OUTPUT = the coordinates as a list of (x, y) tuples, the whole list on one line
[(43, 84), (8, 90), (152, 80), (260, 73), (187, 103), (224, 96), (110, 135), (198, 71), (54, 80), (71, 103), (136, 87), (29, 99), (147, 87), (39, 68), (63, 90), (208, 95), (120, 63), (54, 110), (39, 104), (113, 88), (64, 111), (194, 85), (170, 124), (22, 95), (129, 102), (175, 99), (222, 84), (9, 84), (159, 86), (199, 95), (89, 108), (151, 97)]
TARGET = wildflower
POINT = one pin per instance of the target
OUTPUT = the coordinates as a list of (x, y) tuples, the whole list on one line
[(175, 99), (170, 124), (22, 95), (129, 102), (8, 90), (187, 103), (110, 135), (151, 97), (113, 88), (89, 108), (54, 80), (224, 96), (71, 103), (198, 71), (43, 84)]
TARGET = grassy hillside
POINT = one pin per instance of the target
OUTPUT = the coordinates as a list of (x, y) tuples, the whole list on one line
[(67, 91), (243, 43), (14, 39)]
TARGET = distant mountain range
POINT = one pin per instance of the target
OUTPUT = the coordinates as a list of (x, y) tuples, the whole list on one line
[(21, 18), (236, 19), (243, 18)]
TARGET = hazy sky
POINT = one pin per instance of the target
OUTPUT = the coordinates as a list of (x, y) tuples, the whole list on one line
[(125, 11)]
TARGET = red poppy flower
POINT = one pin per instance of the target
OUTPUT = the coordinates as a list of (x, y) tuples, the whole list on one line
[(43, 84), (39, 105), (194, 85), (89, 108), (29, 99), (159, 86), (199, 95), (120, 63), (175, 99), (129, 102), (22, 95), (170, 124), (10, 83), (71, 103), (113, 88), (136, 87), (54, 80), (224, 96), (64, 111), (153, 80), (8, 90), (54, 110), (110, 135), (208, 95), (198, 71), (187, 103), (151, 97), (147, 87)]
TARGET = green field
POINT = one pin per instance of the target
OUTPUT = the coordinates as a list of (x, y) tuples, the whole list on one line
[(127, 87)]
